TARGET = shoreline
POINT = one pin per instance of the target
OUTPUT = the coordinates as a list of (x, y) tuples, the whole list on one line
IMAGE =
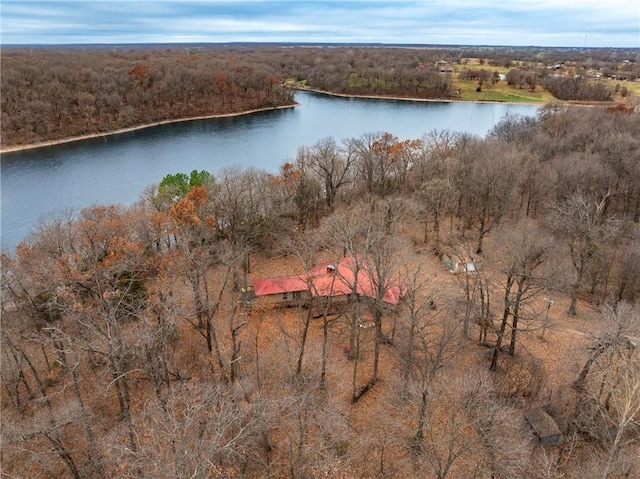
[(43, 144), (32, 146), (453, 100), (425, 100)]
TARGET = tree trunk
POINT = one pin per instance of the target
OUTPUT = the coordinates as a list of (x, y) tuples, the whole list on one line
[(354, 376), (436, 233), (481, 229), (576, 287), (409, 354), (303, 341), (469, 304), (597, 352), (58, 446), (503, 324), (422, 413), (94, 455), (325, 341), (61, 451), (325, 337), (197, 298), (377, 342), (234, 330), (516, 315)]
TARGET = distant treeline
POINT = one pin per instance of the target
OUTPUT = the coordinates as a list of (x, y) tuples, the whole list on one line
[(51, 93)]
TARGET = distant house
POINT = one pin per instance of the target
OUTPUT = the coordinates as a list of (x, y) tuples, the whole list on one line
[(335, 280)]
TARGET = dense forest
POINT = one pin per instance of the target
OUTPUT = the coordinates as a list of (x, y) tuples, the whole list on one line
[(132, 345), (53, 93)]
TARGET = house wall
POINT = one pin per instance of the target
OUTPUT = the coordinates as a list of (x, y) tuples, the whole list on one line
[(340, 300), (292, 299), (304, 299)]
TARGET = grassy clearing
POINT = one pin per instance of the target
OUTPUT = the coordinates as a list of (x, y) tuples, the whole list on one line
[(292, 82), (500, 92), (503, 92), (474, 64), (633, 88)]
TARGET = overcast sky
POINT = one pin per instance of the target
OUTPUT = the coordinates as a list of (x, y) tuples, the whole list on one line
[(572, 23)]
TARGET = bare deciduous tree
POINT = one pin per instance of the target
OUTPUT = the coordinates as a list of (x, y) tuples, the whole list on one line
[(487, 176), (427, 342), (609, 405), (522, 249), (331, 164), (583, 224)]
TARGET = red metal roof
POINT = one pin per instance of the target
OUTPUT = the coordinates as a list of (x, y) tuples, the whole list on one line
[(329, 279), (263, 287)]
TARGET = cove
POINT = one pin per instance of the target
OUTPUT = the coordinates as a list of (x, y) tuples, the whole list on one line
[(115, 169)]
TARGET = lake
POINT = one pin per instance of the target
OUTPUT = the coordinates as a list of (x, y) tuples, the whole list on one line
[(116, 169)]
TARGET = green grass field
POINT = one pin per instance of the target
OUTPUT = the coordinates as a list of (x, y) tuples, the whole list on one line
[(292, 82), (632, 86), (500, 92)]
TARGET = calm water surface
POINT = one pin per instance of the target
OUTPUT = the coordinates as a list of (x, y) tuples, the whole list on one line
[(116, 169)]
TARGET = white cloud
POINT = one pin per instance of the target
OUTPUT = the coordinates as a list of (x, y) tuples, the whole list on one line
[(540, 22)]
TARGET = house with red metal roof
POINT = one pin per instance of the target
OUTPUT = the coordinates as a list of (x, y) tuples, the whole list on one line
[(335, 280)]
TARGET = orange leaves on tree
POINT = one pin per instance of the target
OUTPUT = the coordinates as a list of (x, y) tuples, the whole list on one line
[(290, 174), (107, 241), (23, 250), (140, 73), (288, 181), (244, 70), (386, 145), (210, 221), (198, 195), (619, 108), (271, 80), (191, 211), (121, 252), (388, 148), (221, 80), (91, 254), (391, 149), (183, 212), (161, 222), (98, 225)]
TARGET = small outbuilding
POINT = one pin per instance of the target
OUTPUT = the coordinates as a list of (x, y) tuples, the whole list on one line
[(467, 265), (544, 426)]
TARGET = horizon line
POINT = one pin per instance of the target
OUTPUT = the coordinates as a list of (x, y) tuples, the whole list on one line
[(304, 43)]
